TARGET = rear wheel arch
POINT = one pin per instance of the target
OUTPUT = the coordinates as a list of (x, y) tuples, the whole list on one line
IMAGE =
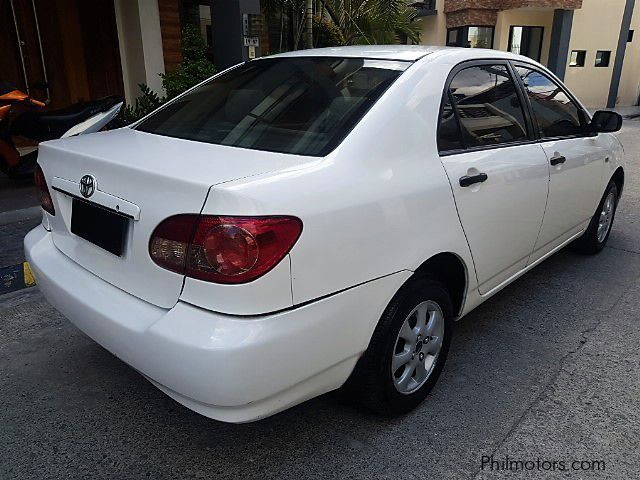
[(449, 269)]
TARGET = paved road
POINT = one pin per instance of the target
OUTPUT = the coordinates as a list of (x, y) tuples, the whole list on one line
[(16, 194), (548, 369)]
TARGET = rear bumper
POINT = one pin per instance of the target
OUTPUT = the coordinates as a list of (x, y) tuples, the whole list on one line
[(230, 368)]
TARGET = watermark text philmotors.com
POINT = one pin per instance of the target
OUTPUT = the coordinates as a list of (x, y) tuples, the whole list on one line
[(509, 464)]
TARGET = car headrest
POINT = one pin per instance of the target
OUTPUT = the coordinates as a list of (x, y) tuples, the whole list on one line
[(241, 102)]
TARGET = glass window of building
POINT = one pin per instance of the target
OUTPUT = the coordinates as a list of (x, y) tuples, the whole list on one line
[(470, 37), (526, 41)]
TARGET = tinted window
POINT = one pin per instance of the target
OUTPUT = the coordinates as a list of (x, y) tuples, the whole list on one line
[(578, 58), (556, 114), (526, 41), (300, 105), (470, 37), (480, 37), (488, 105), (603, 58), (449, 137)]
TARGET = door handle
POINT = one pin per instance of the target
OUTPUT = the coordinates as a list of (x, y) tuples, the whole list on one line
[(557, 160), (467, 181)]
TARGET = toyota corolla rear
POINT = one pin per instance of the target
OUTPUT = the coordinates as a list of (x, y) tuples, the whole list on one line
[(147, 248)]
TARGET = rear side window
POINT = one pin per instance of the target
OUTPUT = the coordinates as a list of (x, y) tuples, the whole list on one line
[(449, 136), (303, 105), (555, 113), (488, 107)]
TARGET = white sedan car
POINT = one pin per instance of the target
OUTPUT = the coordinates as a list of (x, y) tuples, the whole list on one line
[(318, 219)]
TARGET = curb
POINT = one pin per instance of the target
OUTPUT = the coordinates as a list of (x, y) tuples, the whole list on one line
[(13, 216), (16, 277)]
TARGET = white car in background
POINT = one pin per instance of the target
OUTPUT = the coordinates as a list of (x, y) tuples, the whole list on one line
[(318, 219)]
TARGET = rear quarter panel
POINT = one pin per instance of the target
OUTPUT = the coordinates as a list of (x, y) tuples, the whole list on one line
[(380, 203)]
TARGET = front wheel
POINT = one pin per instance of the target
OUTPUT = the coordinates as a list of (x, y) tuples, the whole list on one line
[(595, 237), (407, 351)]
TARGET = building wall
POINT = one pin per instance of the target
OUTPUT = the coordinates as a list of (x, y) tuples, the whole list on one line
[(629, 91), (595, 27), (453, 5), (472, 16), (434, 28), (485, 12), (170, 28), (524, 17), (140, 42), (565, 4)]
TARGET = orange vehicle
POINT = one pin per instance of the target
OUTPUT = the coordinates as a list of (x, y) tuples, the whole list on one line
[(25, 122)]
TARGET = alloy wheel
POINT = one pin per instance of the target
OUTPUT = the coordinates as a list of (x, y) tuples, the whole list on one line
[(606, 216), (417, 347)]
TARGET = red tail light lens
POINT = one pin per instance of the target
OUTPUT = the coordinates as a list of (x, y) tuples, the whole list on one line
[(45, 197), (223, 249)]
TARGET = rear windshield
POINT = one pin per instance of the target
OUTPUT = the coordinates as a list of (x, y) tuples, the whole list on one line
[(303, 106)]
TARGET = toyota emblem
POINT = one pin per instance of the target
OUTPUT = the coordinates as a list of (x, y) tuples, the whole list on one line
[(88, 185)]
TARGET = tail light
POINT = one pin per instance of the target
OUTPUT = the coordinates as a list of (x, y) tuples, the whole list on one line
[(223, 249), (45, 197)]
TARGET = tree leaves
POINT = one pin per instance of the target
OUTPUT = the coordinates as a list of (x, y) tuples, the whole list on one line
[(350, 22), (364, 22)]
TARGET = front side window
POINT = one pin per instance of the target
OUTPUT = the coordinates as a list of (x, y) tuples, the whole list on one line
[(556, 114), (298, 105), (487, 105)]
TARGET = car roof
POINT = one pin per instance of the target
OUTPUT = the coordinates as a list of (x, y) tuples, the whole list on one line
[(380, 52), (409, 53)]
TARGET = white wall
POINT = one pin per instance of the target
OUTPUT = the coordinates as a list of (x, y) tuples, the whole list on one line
[(140, 41), (434, 28), (524, 17), (630, 80), (596, 26)]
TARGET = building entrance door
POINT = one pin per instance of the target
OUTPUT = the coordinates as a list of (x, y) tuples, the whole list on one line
[(31, 74), (60, 51)]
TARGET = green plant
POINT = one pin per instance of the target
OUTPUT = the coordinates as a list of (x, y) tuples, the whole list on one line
[(145, 104), (326, 33), (344, 22), (195, 68), (373, 21)]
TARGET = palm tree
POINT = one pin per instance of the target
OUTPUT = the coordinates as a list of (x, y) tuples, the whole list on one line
[(290, 16), (346, 22), (373, 21)]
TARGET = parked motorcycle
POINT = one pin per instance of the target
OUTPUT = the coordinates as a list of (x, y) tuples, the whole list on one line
[(22, 120)]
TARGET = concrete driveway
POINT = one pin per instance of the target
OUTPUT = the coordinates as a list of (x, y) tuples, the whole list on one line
[(546, 371), (17, 194)]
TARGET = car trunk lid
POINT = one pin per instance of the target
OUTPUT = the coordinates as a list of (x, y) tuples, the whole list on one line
[(147, 178)]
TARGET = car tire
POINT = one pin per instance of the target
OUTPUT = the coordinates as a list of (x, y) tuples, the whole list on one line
[(595, 237), (374, 383)]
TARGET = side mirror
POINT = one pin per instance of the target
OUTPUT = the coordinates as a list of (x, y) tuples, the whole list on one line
[(606, 121)]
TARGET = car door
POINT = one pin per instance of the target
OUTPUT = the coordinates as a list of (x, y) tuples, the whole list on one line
[(576, 158), (498, 174)]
